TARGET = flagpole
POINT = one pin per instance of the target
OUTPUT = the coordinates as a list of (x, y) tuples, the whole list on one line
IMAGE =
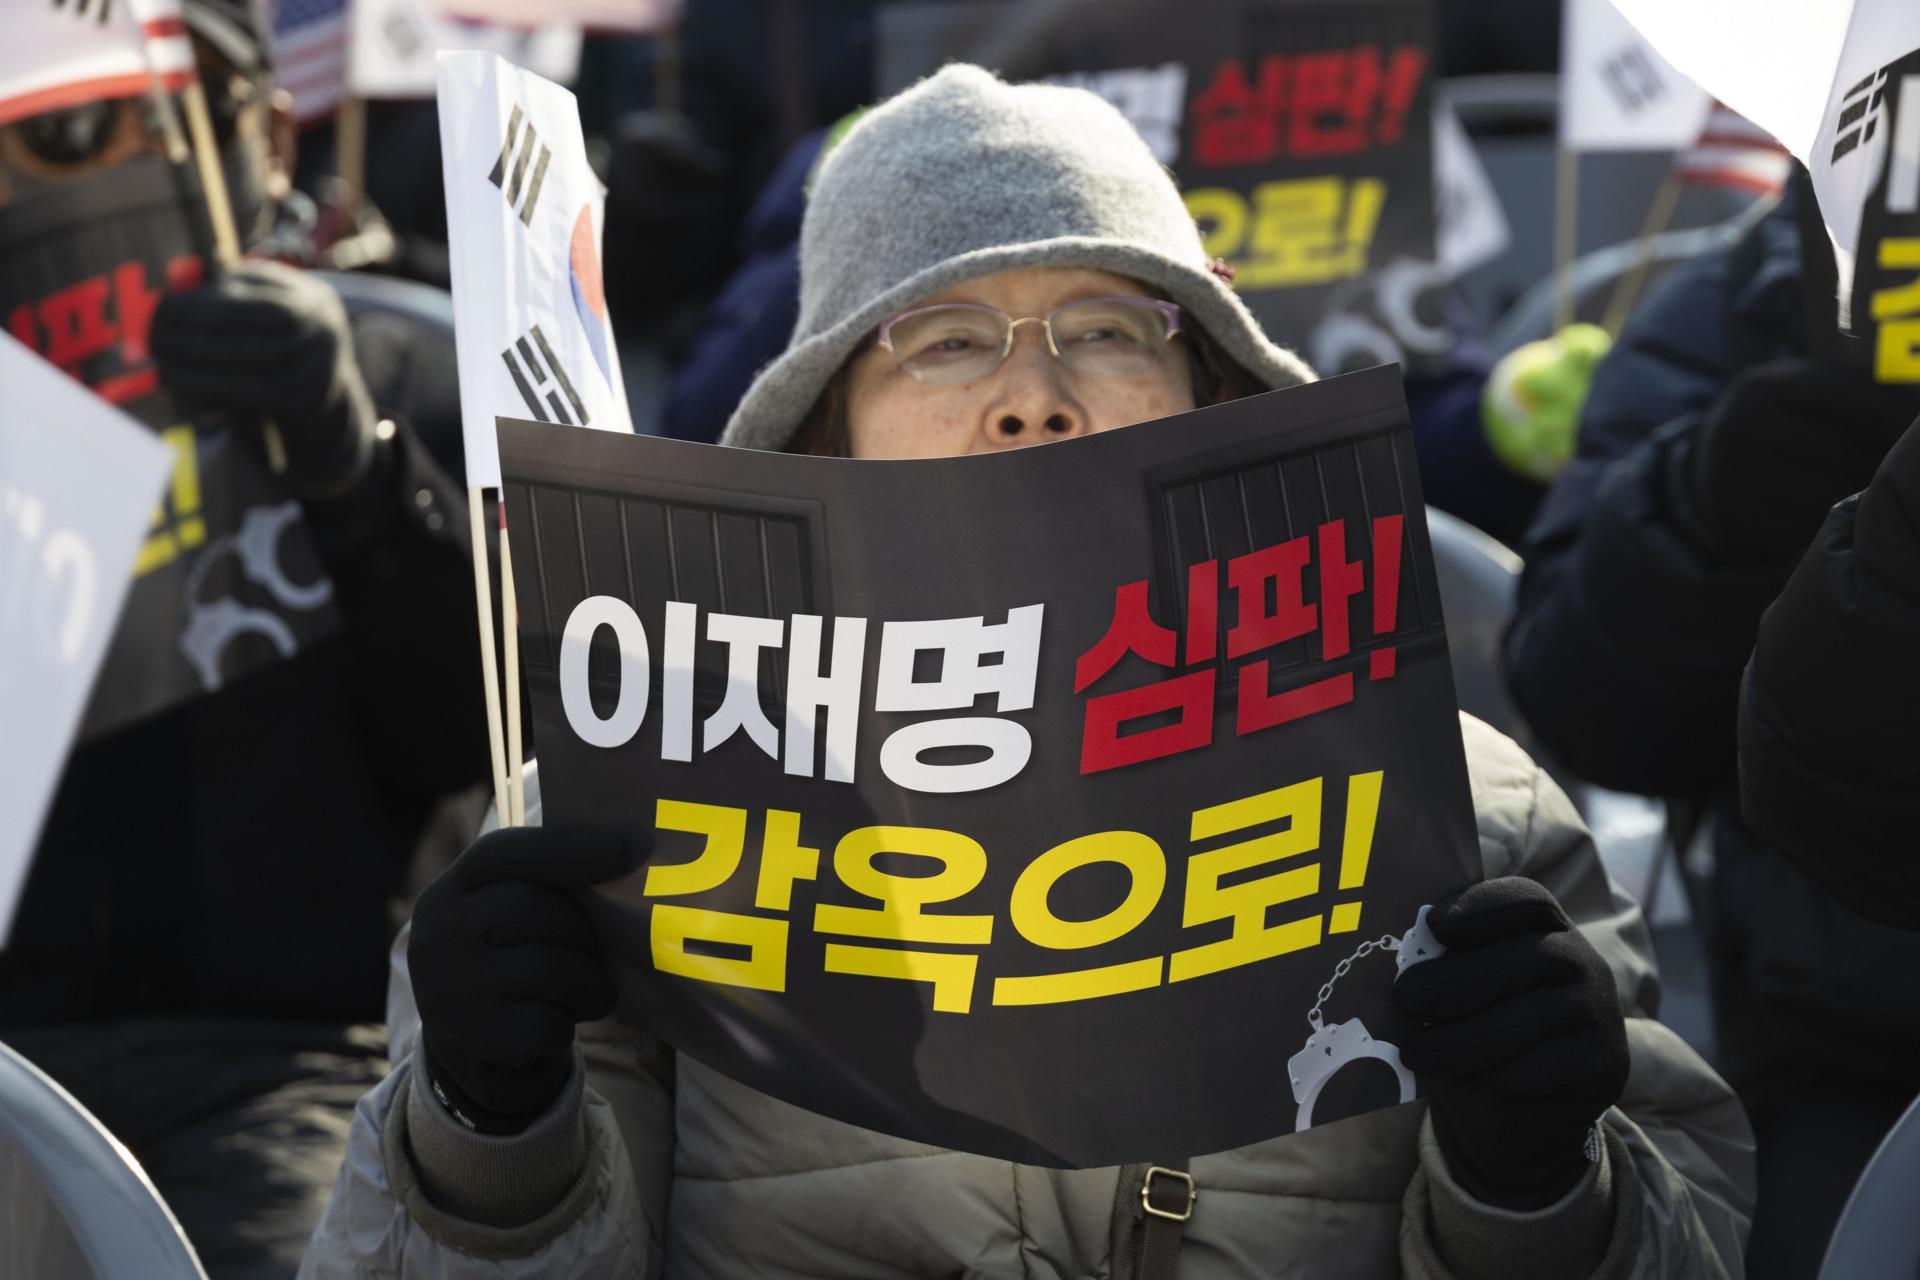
[(1566, 230), (489, 673), (226, 237), (350, 147), (171, 136), (1659, 214), (510, 616), (213, 180)]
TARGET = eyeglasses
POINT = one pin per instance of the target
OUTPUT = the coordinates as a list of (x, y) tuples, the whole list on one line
[(1119, 337)]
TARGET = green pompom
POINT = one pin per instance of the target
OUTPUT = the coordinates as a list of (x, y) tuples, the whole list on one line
[(1531, 404)]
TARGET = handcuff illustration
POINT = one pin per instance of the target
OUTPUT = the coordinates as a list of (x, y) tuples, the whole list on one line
[(1331, 1047), (213, 625), (1393, 330)]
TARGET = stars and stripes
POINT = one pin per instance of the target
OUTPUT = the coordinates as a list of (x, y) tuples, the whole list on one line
[(310, 54), (510, 170), (1732, 151), (539, 371)]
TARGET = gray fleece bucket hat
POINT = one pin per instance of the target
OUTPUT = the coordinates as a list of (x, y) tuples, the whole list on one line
[(961, 176)]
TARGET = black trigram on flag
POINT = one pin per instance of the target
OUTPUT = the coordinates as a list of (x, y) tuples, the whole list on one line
[(536, 370), (100, 10), (1861, 101), (1633, 78), (510, 170)]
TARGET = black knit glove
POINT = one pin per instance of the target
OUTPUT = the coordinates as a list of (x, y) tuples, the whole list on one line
[(269, 343), (1784, 443), (1521, 1045), (504, 962)]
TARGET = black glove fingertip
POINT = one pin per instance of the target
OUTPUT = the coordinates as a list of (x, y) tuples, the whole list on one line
[(1494, 909)]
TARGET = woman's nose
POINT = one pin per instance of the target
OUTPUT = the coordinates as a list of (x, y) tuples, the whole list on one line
[(1031, 403)]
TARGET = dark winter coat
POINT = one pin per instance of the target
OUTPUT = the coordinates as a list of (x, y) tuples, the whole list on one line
[(238, 854), (1830, 720), (1629, 640)]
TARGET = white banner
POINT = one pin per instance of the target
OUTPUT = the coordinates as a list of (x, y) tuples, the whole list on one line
[(78, 482), (525, 219), (62, 53), (1616, 92), (1153, 99), (1811, 74), (640, 16), (1470, 222), (392, 44)]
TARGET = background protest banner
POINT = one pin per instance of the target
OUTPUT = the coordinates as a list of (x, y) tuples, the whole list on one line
[(77, 485), (1886, 282), (392, 44), (229, 579), (640, 16), (1019, 804), (1300, 131)]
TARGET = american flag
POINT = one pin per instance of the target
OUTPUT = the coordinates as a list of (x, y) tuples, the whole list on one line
[(310, 50), (1732, 151)]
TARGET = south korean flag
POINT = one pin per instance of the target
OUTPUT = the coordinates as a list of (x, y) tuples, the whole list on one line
[(1868, 146), (524, 223), (1616, 92), (61, 54), (1822, 78)]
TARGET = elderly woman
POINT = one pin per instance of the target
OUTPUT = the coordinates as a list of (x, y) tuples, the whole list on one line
[(987, 267)]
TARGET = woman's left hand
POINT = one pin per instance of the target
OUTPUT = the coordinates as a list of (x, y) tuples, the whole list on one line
[(1521, 1044)]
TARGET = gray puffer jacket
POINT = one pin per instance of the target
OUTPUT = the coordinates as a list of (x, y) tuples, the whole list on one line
[(652, 1165)]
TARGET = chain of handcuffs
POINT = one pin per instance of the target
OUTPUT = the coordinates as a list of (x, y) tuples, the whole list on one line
[(1385, 942)]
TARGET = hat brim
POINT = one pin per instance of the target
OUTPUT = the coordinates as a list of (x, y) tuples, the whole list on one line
[(785, 391)]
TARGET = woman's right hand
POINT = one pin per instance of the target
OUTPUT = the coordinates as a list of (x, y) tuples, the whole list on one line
[(504, 962)]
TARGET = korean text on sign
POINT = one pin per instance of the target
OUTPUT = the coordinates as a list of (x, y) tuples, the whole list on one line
[(1226, 911)]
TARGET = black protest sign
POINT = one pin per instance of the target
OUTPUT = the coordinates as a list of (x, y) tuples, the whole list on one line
[(229, 579), (1886, 281), (1018, 804), (1300, 132)]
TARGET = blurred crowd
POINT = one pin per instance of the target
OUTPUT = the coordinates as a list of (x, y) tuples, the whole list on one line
[(1716, 510)]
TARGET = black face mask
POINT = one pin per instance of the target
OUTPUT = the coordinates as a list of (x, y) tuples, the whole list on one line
[(83, 265)]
